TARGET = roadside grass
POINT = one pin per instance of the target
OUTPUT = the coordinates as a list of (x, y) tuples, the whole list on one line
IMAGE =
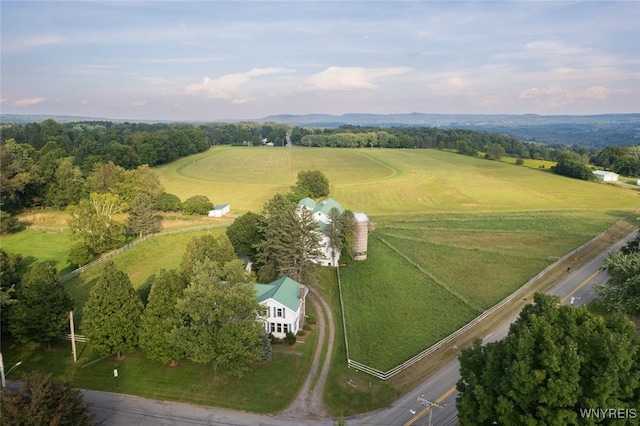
[(346, 392), (267, 388)]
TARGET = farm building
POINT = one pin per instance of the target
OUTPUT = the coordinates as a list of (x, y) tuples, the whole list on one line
[(606, 176), (320, 212), (220, 210), (284, 306)]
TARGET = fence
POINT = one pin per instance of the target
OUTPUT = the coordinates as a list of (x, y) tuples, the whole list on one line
[(78, 337), (134, 243), (385, 375)]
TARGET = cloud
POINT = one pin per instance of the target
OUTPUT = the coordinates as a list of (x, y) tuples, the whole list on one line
[(557, 96), (140, 103), (30, 101), (353, 78), (230, 86)]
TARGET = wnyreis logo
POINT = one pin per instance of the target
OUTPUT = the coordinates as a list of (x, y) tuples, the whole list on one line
[(608, 413)]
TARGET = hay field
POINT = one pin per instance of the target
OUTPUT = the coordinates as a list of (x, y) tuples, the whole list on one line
[(384, 182)]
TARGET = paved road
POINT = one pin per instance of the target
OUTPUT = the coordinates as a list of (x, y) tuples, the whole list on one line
[(116, 409)]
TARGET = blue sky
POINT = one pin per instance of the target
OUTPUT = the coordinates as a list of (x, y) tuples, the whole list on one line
[(188, 60)]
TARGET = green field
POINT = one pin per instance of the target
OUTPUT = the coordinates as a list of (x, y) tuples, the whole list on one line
[(452, 236), (384, 181)]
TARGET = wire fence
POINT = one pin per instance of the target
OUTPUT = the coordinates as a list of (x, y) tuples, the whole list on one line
[(385, 375)]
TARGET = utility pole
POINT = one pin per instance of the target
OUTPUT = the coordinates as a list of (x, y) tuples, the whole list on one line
[(73, 337), (430, 404)]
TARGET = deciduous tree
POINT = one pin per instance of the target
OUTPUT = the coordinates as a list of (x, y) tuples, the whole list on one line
[(555, 361), (198, 204), (42, 306), (215, 249), (244, 233), (621, 293), (93, 225), (314, 182), (218, 323), (111, 315)]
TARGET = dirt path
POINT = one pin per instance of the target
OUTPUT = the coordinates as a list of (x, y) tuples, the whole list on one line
[(308, 402)]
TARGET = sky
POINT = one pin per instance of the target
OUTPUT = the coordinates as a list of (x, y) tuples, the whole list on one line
[(214, 60)]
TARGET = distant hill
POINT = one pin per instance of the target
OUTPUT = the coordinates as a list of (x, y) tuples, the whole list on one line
[(595, 131), (583, 130)]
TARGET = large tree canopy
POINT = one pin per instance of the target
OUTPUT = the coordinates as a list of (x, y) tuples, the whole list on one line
[(621, 293), (313, 182), (555, 361), (41, 311), (111, 315), (219, 322)]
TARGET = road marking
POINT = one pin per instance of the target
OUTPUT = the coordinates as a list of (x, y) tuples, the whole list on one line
[(426, 410), (564, 299)]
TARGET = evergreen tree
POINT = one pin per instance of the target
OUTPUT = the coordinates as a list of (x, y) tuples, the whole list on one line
[(41, 400), (41, 311), (348, 227), (290, 242), (160, 317), (218, 323), (334, 231), (111, 315), (142, 218), (9, 279), (555, 361)]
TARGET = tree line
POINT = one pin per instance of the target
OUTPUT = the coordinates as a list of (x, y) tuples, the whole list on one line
[(49, 164)]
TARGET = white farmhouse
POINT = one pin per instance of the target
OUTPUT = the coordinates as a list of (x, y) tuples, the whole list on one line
[(284, 306), (606, 176), (320, 213), (220, 210)]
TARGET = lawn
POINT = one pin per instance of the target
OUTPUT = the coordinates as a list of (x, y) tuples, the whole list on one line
[(39, 246)]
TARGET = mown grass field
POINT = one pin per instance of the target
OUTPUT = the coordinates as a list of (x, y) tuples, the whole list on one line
[(384, 182), (453, 236), (441, 272)]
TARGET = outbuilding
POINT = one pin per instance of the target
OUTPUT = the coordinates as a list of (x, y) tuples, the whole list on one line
[(606, 176), (220, 210)]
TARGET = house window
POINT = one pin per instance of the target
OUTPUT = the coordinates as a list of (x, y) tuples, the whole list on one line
[(280, 312), (285, 328), (279, 328), (272, 328), (265, 311)]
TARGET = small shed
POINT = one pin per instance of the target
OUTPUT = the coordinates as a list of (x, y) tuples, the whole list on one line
[(220, 210), (606, 176)]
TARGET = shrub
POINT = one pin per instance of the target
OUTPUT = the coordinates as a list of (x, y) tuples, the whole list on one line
[(198, 204), (290, 338), (301, 333), (168, 202), (8, 223)]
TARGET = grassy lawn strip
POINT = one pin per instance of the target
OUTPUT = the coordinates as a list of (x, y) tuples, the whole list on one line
[(346, 393), (266, 388)]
